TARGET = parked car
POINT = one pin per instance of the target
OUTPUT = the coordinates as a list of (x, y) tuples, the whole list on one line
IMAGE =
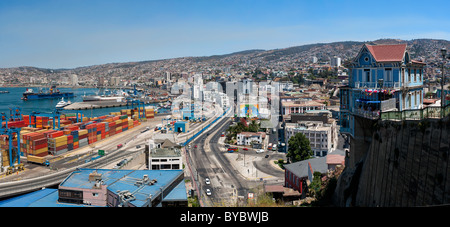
[(207, 181), (266, 156), (260, 151), (245, 149), (208, 192)]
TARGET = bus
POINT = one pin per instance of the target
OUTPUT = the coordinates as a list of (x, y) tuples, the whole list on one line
[(232, 149)]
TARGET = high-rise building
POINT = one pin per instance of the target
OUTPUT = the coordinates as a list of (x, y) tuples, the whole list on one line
[(73, 80), (335, 61), (115, 81)]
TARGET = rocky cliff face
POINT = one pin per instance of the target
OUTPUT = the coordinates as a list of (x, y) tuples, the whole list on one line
[(397, 164)]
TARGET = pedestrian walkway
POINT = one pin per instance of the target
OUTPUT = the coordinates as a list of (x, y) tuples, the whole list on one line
[(246, 167)]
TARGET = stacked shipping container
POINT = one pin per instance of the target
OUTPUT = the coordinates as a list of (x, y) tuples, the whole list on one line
[(41, 141)]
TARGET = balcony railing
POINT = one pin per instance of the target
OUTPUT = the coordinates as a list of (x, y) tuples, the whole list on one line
[(429, 112), (367, 113), (376, 85)]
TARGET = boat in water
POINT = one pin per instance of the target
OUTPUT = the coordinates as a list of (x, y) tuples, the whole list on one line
[(113, 97), (62, 103), (4, 92), (29, 94)]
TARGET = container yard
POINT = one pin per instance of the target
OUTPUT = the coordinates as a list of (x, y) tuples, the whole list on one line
[(39, 142)]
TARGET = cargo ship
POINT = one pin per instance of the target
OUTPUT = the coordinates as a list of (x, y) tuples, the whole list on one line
[(29, 94)]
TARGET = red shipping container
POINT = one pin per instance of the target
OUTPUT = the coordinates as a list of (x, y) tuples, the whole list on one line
[(37, 147), (61, 147), (47, 133), (43, 154), (36, 137), (56, 134), (39, 141)]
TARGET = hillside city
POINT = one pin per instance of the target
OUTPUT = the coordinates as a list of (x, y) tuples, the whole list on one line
[(318, 97), (305, 63)]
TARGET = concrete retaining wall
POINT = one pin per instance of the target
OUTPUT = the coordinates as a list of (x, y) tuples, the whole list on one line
[(404, 164)]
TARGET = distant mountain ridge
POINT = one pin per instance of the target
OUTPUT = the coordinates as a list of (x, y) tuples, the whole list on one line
[(425, 49)]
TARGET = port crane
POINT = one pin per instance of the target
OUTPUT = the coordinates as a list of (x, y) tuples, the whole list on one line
[(55, 114), (139, 104), (14, 153)]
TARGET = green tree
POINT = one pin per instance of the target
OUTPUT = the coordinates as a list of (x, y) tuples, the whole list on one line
[(299, 148), (253, 126)]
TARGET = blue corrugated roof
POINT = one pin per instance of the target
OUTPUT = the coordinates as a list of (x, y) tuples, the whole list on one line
[(80, 178), (116, 180), (43, 198), (141, 193), (27, 199), (178, 193)]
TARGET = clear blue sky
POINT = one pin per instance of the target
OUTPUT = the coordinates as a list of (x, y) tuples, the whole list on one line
[(74, 33)]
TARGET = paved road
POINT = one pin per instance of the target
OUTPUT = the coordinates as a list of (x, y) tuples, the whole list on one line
[(229, 177), (210, 163)]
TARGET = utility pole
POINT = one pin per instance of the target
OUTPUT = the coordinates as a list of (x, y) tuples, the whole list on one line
[(443, 52)]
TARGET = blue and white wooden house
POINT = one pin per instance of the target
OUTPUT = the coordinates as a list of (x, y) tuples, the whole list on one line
[(381, 78)]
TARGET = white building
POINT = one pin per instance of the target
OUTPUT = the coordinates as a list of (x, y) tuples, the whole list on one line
[(222, 100), (320, 135), (115, 81), (73, 80), (300, 106), (246, 138), (168, 76), (335, 61), (164, 159)]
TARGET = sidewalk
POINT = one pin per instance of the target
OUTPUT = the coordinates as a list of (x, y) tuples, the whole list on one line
[(246, 168)]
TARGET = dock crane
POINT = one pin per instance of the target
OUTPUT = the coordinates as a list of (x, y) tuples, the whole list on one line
[(55, 114), (139, 104), (14, 154)]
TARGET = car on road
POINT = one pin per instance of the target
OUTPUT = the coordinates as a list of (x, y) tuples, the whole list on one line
[(207, 181), (274, 147), (245, 149), (266, 156), (120, 163), (232, 149), (260, 151), (195, 146), (208, 192), (223, 134)]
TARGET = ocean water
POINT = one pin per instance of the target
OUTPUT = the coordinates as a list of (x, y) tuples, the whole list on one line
[(14, 99)]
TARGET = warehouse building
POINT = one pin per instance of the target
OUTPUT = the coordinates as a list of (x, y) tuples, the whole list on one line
[(111, 188)]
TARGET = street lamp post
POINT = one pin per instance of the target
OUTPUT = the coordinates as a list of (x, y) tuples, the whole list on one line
[(444, 53)]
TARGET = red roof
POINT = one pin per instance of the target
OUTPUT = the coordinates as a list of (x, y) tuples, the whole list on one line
[(335, 159), (387, 53)]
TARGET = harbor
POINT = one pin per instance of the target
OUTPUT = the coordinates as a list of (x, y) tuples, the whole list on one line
[(106, 104), (13, 98)]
